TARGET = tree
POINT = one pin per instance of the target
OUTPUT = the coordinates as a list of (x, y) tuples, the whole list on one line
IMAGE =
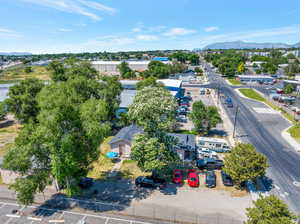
[(125, 71), (74, 117), (203, 117), (3, 110), (153, 153), (148, 82), (22, 99), (199, 71), (258, 71), (153, 108), (58, 70), (241, 68), (288, 89), (245, 163), (28, 69), (269, 210)]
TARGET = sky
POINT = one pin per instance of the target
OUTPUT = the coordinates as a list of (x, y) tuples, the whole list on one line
[(56, 26)]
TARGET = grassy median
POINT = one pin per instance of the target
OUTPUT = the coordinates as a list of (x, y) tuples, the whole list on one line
[(252, 94), (234, 82), (294, 130)]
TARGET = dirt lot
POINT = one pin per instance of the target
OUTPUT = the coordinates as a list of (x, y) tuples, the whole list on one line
[(8, 132)]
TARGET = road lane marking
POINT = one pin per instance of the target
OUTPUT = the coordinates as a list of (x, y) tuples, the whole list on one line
[(13, 216), (56, 221), (263, 110), (34, 219), (296, 183), (277, 187)]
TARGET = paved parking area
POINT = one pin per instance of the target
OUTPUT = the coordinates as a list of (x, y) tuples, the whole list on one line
[(14, 214)]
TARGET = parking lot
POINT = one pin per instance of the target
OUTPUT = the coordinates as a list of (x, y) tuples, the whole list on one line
[(13, 214)]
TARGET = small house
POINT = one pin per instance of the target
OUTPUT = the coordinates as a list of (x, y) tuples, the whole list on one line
[(122, 142)]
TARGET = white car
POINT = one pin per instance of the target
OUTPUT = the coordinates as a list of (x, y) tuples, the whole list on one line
[(295, 109)]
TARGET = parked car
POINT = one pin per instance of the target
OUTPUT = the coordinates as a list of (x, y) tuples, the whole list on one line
[(204, 152), (184, 104), (202, 91), (210, 179), (279, 91), (181, 118), (295, 109), (86, 182), (210, 163), (177, 176), (227, 180), (150, 182), (193, 178)]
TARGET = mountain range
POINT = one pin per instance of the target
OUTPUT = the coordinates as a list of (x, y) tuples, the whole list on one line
[(249, 45)]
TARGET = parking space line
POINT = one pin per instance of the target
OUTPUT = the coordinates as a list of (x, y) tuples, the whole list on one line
[(34, 219), (106, 221), (13, 216), (78, 213)]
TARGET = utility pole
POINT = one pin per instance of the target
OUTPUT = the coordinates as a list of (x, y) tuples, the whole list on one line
[(235, 118)]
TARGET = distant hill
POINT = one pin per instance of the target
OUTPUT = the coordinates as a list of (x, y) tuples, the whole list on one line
[(248, 45), (15, 53)]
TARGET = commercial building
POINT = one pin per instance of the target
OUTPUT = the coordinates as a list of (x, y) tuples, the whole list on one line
[(255, 78), (111, 67)]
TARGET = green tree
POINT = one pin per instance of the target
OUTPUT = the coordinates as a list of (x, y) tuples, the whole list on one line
[(199, 71), (245, 163), (204, 117), (270, 210), (152, 153), (148, 82), (22, 99), (258, 71), (3, 110), (58, 70), (153, 108), (241, 68), (74, 117), (125, 71), (288, 89), (28, 69)]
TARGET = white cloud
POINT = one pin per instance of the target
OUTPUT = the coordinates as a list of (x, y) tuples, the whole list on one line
[(81, 7), (147, 37), (136, 30), (64, 30), (211, 28), (8, 33), (177, 31)]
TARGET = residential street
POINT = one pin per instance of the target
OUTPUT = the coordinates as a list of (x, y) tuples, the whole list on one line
[(263, 129)]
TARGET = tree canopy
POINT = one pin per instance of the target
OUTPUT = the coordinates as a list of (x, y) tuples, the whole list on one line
[(153, 153), (74, 117), (204, 117), (22, 100), (153, 108), (245, 163), (125, 71), (148, 82), (269, 210)]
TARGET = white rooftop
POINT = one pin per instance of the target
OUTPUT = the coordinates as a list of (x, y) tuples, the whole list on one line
[(207, 139), (254, 76), (119, 62), (171, 82)]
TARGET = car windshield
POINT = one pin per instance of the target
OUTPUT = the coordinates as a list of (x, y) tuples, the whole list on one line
[(193, 179), (177, 175)]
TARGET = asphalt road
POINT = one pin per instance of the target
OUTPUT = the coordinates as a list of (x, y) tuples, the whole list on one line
[(264, 132)]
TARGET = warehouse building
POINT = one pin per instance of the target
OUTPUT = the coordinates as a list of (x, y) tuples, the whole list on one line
[(111, 67)]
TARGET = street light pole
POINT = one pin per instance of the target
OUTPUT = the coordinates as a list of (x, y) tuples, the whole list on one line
[(235, 119)]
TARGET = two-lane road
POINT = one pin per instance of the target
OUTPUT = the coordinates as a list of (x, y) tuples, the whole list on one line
[(263, 130)]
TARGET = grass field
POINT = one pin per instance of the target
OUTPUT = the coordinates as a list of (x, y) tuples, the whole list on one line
[(252, 94), (102, 165), (130, 170), (18, 73), (234, 82), (295, 132), (7, 137)]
